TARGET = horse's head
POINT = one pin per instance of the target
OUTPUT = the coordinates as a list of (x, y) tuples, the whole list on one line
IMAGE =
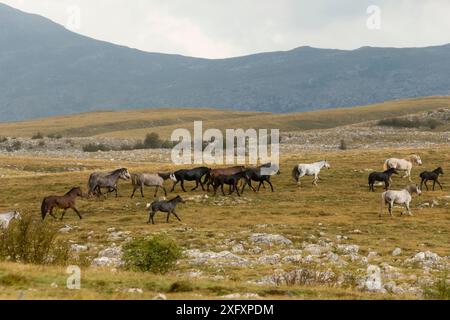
[(17, 215), (124, 174), (78, 191), (439, 170), (416, 159), (179, 199), (414, 188), (173, 177), (327, 164)]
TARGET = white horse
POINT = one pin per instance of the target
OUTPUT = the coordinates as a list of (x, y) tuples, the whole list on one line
[(5, 218), (312, 169), (405, 164), (399, 197)]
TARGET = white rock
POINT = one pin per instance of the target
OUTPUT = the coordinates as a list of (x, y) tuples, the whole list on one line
[(348, 249), (239, 248), (160, 296), (273, 259), (397, 252), (373, 280), (269, 239), (135, 290)]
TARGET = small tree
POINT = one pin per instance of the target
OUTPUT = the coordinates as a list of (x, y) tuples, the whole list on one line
[(343, 145), (152, 141)]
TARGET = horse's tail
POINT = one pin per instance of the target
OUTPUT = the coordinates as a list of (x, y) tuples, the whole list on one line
[(385, 167), (295, 173), (44, 209)]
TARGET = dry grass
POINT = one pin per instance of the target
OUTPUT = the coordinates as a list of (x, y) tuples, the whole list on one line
[(136, 123), (341, 203)]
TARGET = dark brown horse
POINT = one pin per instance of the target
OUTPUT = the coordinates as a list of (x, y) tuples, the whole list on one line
[(209, 178), (64, 202)]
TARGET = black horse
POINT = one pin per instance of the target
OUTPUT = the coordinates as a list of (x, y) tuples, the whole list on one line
[(165, 206), (256, 174), (381, 176), (433, 175), (191, 175), (231, 180)]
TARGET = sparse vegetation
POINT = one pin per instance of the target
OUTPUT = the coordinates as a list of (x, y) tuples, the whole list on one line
[(410, 123), (343, 145), (157, 254), (37, 136), (54, 136), (3, 139), (15, 146), (181, 286), (440, 290), (30, 241), (95, 147)]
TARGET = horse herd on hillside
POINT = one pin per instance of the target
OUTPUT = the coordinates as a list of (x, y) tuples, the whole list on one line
[(236, 178)]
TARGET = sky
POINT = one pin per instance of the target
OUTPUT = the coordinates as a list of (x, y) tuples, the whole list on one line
[(228, 28)]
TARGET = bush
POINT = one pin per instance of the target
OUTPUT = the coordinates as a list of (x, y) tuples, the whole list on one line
[(3, 139), (41, 144), (157, 254), (94, 147), (38, 136), (410, 123), (343, 145), (31, 241), (16, 145), (440, 290), (54, 136), (181, 286), (152, 141)]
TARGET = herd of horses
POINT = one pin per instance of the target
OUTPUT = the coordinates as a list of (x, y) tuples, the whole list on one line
[(236, 179)]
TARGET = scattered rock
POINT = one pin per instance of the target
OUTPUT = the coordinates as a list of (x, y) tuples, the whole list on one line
[(239, 248), (373, 282), (397, 252), (109, 257), (348, 249), (160, 296), (273, 259), (299, 277), (135, 290), (269, 239), (224, 258), (78, 248)]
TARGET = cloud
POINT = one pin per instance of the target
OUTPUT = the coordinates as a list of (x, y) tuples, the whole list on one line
[(217, 28)]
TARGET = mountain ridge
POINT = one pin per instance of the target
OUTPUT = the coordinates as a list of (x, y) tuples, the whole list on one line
[(48, 70)]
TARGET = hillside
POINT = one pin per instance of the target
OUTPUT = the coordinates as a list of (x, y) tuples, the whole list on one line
[(48, 70), (135, 123)]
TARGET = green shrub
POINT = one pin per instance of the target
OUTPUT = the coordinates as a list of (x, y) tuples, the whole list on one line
[(440, 290), (38, 136), (29, 240), (94, 147), (152, 141), (41, 144), (3, 139), (10, 280), (157, 254), (181, 286), (409, 123)]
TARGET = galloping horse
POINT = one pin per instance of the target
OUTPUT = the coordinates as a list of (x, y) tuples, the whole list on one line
[(260, 175), (6, 218), (313, 169), (381, 176), (190, 175), (164, 206), (209, 178), (150, 180), (64, 202), (405, 164), (98, 180), (399, 197), (433, 175)]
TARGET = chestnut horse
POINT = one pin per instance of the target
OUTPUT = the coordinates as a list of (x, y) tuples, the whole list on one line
[(64, 202), (209, 178)]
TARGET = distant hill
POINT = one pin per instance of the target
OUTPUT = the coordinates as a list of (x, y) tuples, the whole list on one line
[(47, 70), (136, 123)]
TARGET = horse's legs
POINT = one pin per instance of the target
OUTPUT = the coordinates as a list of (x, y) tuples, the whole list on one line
[(408, 209), (51, 213), (175, 214), (386, 185), (391, 205), (237, 189), (421, 184), (271, 186), (316, 178), (221, 187), (63, 214), (142, 190), (115, 189), (168, 215), (259, 186), (434, 184), (196, 185), (165, 191), (173, 186), (76, 211), (134, 190), (150, 217), (182, 185), (426, 186), (156, 191), (437, 181)]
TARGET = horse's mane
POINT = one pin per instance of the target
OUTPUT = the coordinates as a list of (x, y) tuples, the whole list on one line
[(72, 190), (116, 171), (411, 188)]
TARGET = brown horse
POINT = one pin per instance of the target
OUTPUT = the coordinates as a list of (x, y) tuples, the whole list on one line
[(222, 172), (64, 202)]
